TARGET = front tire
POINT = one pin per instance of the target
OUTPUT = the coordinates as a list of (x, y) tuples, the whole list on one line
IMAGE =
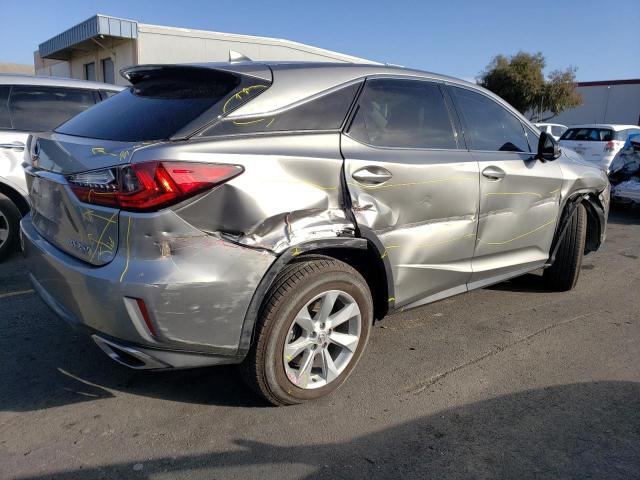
[(563, 274), (311, 332), (9, 226)]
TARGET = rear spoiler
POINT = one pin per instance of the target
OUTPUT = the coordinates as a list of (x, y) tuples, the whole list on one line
[(137, 73)]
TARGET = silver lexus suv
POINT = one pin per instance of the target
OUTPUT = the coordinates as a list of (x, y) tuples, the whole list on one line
[(266, 214)]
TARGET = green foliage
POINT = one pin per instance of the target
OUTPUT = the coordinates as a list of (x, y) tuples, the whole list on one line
[(520, 80)]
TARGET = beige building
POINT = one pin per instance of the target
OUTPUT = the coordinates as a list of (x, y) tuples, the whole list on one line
[(99, 47)]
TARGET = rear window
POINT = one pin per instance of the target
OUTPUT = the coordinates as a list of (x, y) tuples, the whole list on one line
[(41, 108), (156, 107), (589, 134)]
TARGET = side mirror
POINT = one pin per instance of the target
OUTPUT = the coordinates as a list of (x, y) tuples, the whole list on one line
[(548, 148)]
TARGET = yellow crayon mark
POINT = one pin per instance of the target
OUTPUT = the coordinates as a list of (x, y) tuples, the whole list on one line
[(89, 214), (248, 122), (533, 194), (104, 230), (238, 96), (296, 252), (522, 235), (430, 244), (269, 124), (126, 265), (102, 151), (392, 299), (554, 191), (409, 184)]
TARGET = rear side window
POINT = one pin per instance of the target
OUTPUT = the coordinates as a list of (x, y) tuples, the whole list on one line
[(155, 108), (326, 112), (5, 118), (489, 126), (403, 113), (37, 109), (589, 134)]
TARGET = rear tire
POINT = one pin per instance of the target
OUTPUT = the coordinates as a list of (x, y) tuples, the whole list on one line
[(9, 226), (563, 274), (292, 315)]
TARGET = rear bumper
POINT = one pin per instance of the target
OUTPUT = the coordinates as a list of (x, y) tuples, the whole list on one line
[(196, 290)]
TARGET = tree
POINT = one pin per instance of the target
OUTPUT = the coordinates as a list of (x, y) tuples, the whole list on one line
[(520, 80)]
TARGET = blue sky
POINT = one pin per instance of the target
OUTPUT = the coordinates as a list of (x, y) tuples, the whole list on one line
[(452, 37)]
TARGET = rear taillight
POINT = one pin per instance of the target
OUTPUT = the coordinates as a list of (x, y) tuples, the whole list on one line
[(149, 186), (610, 146)]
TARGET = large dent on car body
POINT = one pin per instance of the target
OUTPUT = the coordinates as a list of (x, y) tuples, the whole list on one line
[(288, 194), (197, 286)]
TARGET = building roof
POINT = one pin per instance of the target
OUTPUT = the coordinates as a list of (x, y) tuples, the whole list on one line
[(98, 26), (602, 83)]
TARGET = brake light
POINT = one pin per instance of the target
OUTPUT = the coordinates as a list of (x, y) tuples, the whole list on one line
[(610, 146), (149, 186)]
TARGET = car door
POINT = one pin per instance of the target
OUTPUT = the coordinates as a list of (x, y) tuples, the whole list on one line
[(519, 194), (413, 184), (12, 145)]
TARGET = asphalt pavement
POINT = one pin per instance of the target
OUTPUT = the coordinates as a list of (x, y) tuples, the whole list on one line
[(510, 381)]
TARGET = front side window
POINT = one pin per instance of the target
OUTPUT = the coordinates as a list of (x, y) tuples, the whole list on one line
[(403, 113), (489, 126), (38, 109)]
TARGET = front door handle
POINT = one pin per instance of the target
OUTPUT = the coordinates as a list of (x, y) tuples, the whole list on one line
[(372, 175), (17, 146), (493, 173)]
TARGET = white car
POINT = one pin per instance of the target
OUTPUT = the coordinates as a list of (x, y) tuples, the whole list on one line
[(598, 143), (554, 129), (33, 104)]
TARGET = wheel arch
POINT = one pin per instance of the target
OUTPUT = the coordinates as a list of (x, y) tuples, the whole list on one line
[(363, 254), (16, 197), (596, 222)]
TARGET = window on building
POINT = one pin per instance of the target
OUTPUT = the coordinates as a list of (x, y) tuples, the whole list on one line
[(489, 126), (403, 113), (108, 72), (37, 109), (90, 71)]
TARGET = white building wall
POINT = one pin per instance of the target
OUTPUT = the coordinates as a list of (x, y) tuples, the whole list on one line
[(159, 44)]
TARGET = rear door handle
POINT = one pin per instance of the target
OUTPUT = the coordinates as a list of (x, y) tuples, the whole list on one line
[(17, 146), (372, 175), (494, 173)]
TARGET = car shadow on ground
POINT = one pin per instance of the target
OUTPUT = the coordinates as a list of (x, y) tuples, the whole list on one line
[(587, 430)]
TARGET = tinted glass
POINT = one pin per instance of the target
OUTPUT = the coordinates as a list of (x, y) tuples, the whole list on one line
[(589, 134), (153, 109), (403, 113), (323, 113), (532, 138), (90, 71), (557, 131), (5, 118), (37, 109), (489, 126), (108, 74)]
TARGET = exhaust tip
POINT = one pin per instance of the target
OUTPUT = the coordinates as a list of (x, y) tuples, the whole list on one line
[(128, 356)]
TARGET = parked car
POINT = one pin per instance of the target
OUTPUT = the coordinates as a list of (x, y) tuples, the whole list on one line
[(32, 104), (624, 173), (598, 143), (554, 129), (265, 214)]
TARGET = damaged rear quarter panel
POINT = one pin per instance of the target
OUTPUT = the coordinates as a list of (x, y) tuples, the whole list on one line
[(289, 192)]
